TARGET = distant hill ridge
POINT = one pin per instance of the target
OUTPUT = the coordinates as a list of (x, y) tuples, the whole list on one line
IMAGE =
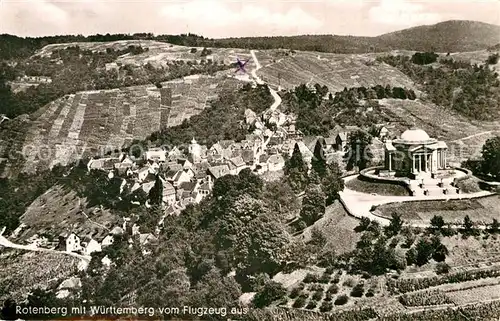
[(447, 36)]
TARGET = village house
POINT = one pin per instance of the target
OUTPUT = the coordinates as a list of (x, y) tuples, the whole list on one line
[(180, 177), (168, 193), (218, 171), (102, 163), (236, 164), (275, 163), (250, 116), (90, 246), (156, 154), (70, 242), (341, 141), (174, 153), (107, 241)]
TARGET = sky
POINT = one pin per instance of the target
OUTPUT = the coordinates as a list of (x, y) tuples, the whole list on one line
[(225, 18)]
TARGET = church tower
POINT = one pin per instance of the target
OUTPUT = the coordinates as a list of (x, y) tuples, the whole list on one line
[(195, 151)]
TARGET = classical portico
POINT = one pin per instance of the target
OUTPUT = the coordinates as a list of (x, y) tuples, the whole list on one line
[(415, 154)]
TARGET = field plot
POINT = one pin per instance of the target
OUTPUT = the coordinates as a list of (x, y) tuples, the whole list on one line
[(363, 186), (19, 273), (338, 228), (473, 251), (58, 210), (334, 71), (479, 210), (94, 122), (475, 294)]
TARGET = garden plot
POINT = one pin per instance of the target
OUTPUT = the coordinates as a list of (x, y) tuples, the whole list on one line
[(480, 210), (475, 294)]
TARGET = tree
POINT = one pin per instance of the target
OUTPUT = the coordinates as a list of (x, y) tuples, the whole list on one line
[(334, 183), (272, 291), (8, 311), (468, 226), (363, 224), (313, 204), (358, 151), (296, 170), (156, 192), (494, 226), (424, 252), (395, 225), (318, 162), (492, 59), (437, 222), (491, 157)]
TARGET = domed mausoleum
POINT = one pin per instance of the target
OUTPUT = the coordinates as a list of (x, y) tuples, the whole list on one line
[(414, 154)]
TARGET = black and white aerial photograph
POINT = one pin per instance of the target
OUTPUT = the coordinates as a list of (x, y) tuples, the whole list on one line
[(260, 160)]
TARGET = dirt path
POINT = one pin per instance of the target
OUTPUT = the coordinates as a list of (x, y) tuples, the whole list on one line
[(258, 80), (472, 136)]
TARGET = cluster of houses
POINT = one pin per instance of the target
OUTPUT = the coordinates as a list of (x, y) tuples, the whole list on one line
[(86, 245), (188, 175)]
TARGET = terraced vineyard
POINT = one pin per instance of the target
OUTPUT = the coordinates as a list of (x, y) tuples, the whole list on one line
[(333, 70), (91, 122)]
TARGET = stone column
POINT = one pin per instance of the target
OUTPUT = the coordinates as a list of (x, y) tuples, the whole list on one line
[(413, 164), (390, 162)]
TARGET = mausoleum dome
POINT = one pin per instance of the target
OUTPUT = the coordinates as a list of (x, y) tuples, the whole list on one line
[(415, 135)]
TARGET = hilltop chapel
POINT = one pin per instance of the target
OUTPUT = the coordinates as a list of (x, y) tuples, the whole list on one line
[(415, 155)]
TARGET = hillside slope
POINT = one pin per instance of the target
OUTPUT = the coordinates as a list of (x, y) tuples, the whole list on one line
[(94, 122), (448, 36)]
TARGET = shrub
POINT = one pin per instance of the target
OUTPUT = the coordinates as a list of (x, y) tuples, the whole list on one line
[(336, 279), (311, 305), (325, 278), (492, 59), (295, 293), (370, 293), (358, 290), (300, 302), (272, 291), (317, 296), (329, 270), (349, 282), (341, 300), (442, 268), (311, 278), (315, 287), (326, 306), (334, 289), (328, 296)]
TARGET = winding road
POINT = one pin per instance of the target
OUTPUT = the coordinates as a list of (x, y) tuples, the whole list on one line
[(258, 80)]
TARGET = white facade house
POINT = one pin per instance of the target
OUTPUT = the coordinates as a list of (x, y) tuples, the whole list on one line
[(91, 247), (73, 243), (156, 154), (107, 241)]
